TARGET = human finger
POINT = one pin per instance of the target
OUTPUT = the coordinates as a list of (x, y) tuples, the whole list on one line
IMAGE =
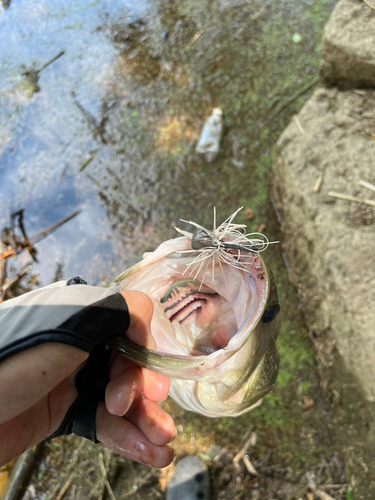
[(121, 392), (140, 309), (118, 365), (124, 438), (155, 423), (155, 385)]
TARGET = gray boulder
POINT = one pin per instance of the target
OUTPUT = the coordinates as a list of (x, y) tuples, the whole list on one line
[(348, 46), (330, 243)]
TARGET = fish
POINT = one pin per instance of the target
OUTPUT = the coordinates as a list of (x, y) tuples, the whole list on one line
[(215, 321)]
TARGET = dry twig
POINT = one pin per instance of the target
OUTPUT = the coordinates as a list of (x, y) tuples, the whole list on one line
[(319, 493), (251, 441), (87, 161), (249, 466), (38, 237), (66, 486), (51, 61), (320, 178), (299, 126), (347, 197), (333, 486), (107, 461), (323, 495), (104, 473), (367, 185), (196, 36), (368, 3), (4, 289), (139, 485)]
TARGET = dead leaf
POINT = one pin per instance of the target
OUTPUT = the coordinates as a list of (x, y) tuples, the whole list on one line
[(307, 402)]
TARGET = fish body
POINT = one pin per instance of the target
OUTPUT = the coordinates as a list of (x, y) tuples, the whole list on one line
[(215, 320)]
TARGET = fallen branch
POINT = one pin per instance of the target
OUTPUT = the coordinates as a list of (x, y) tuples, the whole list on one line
[(21, 474), (347, 197), (241, 455), (38, 237), (13, 281)]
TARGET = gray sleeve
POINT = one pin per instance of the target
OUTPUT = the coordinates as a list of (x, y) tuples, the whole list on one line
[(79, 315)]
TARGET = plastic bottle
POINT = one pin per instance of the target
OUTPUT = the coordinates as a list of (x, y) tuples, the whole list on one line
[(209, 140)]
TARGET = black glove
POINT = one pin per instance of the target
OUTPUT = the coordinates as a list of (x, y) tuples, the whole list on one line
[(97, 322)]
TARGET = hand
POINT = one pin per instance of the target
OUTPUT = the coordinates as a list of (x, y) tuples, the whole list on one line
[(37, 387)]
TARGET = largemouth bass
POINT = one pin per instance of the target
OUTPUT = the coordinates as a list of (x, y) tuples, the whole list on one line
[(215, 320)]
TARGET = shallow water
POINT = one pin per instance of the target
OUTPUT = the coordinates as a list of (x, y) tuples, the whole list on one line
[(132, 90)]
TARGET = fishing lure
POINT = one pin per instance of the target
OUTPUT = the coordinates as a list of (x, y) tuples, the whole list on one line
[(229, 243)]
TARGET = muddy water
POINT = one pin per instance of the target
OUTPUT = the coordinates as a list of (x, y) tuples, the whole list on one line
[(131, 93)]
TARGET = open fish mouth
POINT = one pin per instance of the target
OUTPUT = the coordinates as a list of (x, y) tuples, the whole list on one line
[(215, 320), (190, 301)]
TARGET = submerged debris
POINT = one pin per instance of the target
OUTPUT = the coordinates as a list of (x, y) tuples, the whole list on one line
[(11, 245), (32, 74)]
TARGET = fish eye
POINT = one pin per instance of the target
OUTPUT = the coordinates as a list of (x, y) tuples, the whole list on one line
[(270, 313)]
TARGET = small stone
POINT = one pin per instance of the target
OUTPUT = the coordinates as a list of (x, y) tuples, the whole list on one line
[(249, 213), (237, 163)]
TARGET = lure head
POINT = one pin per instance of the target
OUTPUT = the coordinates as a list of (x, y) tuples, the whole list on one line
[(201, 238)]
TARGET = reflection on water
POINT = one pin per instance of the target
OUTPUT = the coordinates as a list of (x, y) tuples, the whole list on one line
[(110, 126)]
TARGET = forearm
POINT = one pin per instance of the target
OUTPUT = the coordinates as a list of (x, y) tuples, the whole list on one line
[(30, 375), (72, 315)]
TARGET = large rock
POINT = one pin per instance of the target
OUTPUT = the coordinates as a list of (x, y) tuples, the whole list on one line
[(348, 46), (331, 243)]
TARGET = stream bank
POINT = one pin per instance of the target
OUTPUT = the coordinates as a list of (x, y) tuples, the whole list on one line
[(327, 212)]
